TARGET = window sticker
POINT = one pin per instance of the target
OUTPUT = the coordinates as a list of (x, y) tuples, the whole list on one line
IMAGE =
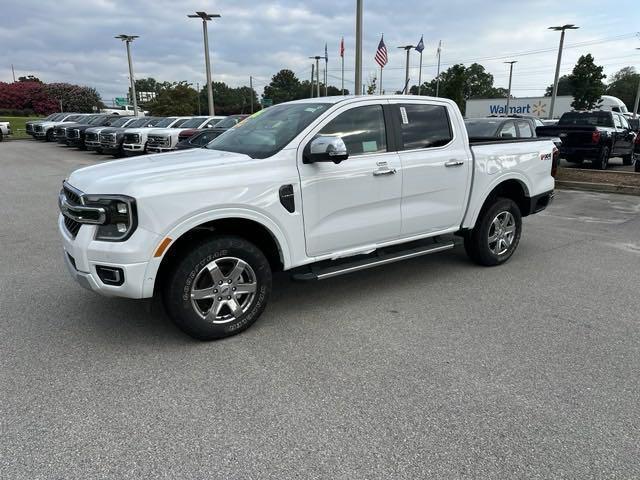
[(370, 146), (403, 113)]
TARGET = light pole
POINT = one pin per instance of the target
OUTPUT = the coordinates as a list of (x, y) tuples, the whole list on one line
[(635, 104), (317, 59), (128, 39), (510, 77), (205, 18), (557, 77), (407, 48), (358, 79)]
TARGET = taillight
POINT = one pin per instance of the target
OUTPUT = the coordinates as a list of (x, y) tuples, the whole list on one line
[(555, 161), (637, 138), (595, 137)]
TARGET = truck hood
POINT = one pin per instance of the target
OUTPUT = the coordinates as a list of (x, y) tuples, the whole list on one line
[(137, 129), (150, 174), (166, 132), (54, 124)]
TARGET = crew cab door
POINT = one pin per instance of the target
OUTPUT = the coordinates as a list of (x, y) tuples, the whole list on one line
[(624, 137), (436, 166), (355, 203)]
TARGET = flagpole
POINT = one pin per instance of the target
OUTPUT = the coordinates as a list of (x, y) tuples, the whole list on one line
[(343, 74), (380, 80)]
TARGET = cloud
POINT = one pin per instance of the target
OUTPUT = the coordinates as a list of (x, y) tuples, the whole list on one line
[(72, 40)]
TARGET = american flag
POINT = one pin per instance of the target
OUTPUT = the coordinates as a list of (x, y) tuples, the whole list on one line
[(342, 47), (381, 54)]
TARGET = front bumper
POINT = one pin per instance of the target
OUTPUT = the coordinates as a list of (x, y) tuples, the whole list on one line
[(83, 254), (92, 144), (133, 148), (156, 149)]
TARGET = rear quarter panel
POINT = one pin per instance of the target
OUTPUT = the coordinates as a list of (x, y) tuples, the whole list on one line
[(529, 163)]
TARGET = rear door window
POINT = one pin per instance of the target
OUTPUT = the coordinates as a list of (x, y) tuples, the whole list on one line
[(525, 129), (424, 126)]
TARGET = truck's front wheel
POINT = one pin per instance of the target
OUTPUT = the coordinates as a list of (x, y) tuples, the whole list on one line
[(218, 289), (496, 234)]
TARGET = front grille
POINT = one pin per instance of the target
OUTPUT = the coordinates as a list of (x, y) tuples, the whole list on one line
[(131, 138), (73, 133), (91, 137), (61, 132), (38, 128), (71, 225), (158, 141), (109, 138)]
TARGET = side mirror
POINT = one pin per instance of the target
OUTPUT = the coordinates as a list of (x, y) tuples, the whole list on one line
[(325, 148)]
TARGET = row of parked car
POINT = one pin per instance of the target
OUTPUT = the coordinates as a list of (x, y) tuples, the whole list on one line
[(592, 136), (126, 135)]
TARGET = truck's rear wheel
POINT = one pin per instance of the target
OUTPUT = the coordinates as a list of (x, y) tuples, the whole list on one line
[(628, 159), (603, 159), (218, 289), (496, 234)]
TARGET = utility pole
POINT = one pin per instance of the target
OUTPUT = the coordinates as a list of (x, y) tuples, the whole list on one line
[(510, 77), (128, 39), (198, 90), (408, 49), (313, 65), (358, 79), (557, 77), (635, 104), (438, 71), (14, 73), (205, 18)]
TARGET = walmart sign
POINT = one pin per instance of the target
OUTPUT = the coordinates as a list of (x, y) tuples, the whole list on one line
[(534, 106)]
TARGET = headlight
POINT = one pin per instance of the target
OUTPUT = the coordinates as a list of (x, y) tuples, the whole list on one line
[(120, 216)]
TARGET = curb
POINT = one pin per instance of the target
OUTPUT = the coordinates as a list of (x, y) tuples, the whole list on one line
[(598, 187)]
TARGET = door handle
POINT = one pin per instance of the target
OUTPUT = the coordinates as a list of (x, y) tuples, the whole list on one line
[(384, 171), (453, 163)]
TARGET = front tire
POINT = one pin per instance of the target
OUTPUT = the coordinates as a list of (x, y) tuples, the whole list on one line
[(496, 234), (628, 159), (218, 289), (49, 136)]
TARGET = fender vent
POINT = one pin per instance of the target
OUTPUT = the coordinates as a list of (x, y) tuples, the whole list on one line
[(287, 199)]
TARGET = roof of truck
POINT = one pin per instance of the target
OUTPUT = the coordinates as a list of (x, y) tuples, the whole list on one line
[(345, 98)]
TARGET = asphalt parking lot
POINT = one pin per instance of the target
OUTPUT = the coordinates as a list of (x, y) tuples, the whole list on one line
[(433, 368)]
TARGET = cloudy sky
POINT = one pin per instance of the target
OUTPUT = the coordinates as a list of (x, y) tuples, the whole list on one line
[(72, 40)]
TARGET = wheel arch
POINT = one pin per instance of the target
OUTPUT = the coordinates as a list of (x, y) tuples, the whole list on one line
[(261, 232), (512, 187)]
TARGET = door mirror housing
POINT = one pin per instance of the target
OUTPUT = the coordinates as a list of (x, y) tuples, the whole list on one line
[(325, 148)]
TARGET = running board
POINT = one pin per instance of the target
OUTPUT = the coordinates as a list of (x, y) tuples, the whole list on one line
[(375, 261)]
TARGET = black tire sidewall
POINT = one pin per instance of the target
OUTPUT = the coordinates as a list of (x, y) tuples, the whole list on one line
[(479, 238), (177, 287), (603, 158)]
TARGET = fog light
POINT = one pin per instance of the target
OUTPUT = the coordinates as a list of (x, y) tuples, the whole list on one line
[(122, 227), (122, 208), (110, 275)]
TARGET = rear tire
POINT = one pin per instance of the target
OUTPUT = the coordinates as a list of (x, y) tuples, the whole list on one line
[(637, 166), (628, 159), (1, 136), (217, 289), (603, 159), (496, 234)]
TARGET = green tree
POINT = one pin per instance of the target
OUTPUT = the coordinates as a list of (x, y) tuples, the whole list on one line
[(74, 98), (624, 85), (179, 99), (372, 87), (586, 82), (284, 87), (564, 87), (229, 100), (29, 78)]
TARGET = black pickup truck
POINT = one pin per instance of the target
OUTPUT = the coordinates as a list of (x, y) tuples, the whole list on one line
[(595, 136)]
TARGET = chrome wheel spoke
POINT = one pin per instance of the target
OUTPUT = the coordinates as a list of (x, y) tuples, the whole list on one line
[(234, 306), (216, 274), (202, 294), (493, 238), (236, 273), (242, 288)]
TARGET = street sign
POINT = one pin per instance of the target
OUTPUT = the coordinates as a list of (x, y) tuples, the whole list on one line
[(267, 102), (121, 101)]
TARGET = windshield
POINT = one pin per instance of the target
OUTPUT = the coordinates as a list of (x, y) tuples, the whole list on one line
[(482, 128), (165, 122), (55, 116), (598, 119), (99, 120), (270, 130), (118, 122), (227, 122), (73, 118), (180, 123), (191, 122), (140, 122)]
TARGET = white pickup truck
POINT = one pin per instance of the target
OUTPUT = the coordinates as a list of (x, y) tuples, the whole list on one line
[(318, 187), (5, 130)]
